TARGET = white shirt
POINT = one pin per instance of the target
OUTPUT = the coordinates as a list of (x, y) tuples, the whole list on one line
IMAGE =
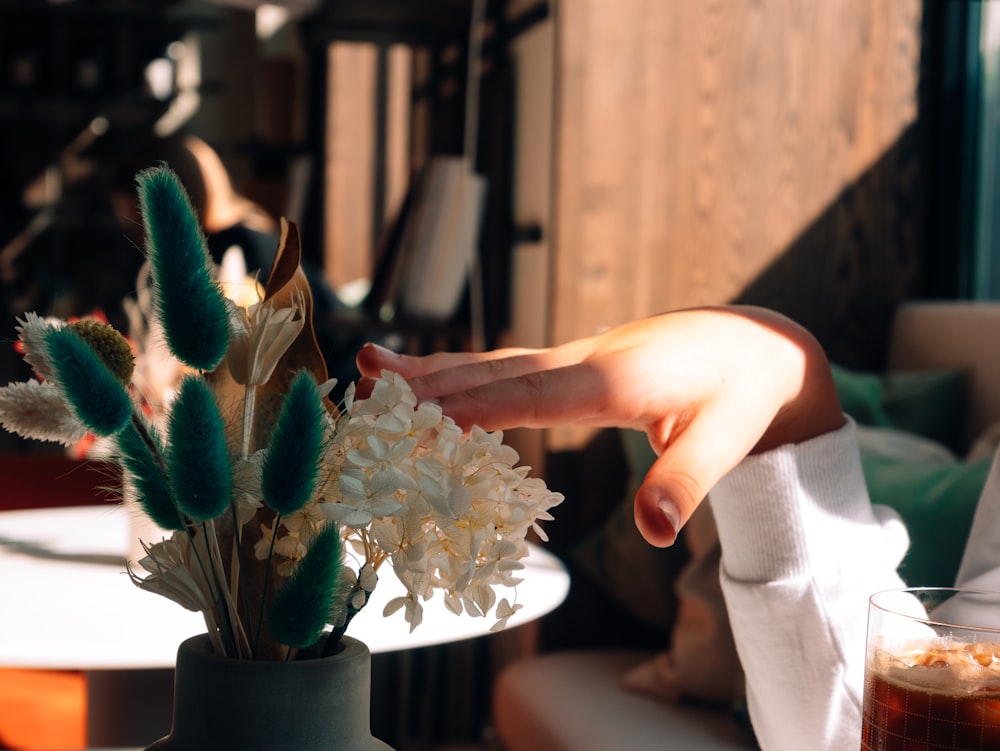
[(802, 550)]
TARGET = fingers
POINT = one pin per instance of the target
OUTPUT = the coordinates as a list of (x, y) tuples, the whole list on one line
[(442, 374), (372, 359), (505, 388), (535, 399)]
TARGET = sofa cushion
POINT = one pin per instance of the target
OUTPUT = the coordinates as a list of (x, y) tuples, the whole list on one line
[(926, 403), (934, 492), (701, 662), (637, 576), (573, 701), (675, 589), (620, 562), (955, 335)]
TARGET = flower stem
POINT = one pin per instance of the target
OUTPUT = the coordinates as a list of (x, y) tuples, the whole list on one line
[(154, 451), (267, 576), (213, 631), (237, 584), (236, 581), (209, 581), (249, 406), (241, 644)]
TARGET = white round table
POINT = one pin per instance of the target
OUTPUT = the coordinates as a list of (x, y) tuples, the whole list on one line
[(68, 604)]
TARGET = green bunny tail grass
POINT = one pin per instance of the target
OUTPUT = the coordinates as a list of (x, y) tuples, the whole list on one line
[(191, 306), (94, 393), (302, 607), (198, 460), (148, 477), (292, 461)]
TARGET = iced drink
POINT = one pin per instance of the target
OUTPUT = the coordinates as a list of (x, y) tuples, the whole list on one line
[(932, 684)]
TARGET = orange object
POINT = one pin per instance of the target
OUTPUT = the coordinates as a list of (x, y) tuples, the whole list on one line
[(43, 710)]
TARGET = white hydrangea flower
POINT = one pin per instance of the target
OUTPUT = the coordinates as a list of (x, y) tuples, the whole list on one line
[(306, 522), (450, 512), (504, 611), (288, 546), (364, 497), (413, 611), (349, 590)]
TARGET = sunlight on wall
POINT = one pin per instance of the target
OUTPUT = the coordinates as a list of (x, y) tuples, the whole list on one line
[(351, 226), (696, 141)]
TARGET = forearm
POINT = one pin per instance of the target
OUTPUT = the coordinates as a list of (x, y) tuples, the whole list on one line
[(803, 548)]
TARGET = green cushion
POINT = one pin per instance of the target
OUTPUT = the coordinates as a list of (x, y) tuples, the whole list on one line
[(937, 501), (926, 403)]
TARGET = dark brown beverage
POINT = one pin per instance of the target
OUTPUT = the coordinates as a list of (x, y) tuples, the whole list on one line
[(933, 712)]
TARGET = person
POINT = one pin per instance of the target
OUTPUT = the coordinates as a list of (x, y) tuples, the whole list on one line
[(229, 219), (739, 401)]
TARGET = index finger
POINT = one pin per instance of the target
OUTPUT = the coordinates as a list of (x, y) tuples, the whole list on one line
[(372, 359), (472, 371), (536, 399)]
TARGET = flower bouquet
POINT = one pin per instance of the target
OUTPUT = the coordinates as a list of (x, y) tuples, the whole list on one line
[(281, 507)]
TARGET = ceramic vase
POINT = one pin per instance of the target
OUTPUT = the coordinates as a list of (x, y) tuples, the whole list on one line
[(222, 704)]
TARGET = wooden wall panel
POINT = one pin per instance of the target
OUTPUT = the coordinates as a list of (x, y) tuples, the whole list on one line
[(348, 246), (698, 142)]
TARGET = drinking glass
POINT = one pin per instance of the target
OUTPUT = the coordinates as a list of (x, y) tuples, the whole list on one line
[(932, 671)]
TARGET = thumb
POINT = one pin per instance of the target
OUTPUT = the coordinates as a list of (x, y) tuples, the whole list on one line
[(679, 480), (692, 460), (665, 501)]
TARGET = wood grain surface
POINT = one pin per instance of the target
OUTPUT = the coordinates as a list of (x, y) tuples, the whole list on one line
[(753, 150)]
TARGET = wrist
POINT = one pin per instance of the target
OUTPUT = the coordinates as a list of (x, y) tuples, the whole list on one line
[(813, 406)]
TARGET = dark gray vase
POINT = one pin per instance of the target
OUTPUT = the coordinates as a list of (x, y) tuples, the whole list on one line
[(221, 704)]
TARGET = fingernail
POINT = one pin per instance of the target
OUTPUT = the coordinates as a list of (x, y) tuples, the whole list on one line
[(669, 510)]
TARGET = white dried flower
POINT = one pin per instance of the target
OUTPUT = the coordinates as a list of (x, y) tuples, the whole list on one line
[(174, 574), (38, 410), (31, 334), (260, 335)]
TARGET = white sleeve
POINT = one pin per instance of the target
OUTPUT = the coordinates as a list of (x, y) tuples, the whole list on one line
[(802, 550), (980, 567)]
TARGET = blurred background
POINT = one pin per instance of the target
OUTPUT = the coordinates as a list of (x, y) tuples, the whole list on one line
[(610, 160), (828, 160)]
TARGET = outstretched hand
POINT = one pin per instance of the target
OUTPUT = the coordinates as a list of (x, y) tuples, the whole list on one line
[(708, 386)]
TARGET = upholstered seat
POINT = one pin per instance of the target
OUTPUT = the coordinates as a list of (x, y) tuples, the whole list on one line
[(572, 701)]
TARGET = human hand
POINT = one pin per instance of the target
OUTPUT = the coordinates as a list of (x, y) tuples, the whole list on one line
[(708, 386)]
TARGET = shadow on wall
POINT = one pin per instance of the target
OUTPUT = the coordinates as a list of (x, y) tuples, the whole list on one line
[(843, 276)]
